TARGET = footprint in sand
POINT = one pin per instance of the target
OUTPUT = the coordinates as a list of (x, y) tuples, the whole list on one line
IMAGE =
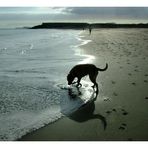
[(136, 70), (122, 109), (125, 113), (115, 94), (129, 74), (113, 82), (106, 99), (108, 112), (123, 126), (127, 60), (134, 83), (114, 110)]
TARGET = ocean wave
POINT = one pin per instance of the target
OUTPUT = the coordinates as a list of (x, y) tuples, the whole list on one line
[(30, 94)]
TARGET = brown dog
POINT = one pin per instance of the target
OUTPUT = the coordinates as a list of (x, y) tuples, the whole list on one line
[(82, 70)]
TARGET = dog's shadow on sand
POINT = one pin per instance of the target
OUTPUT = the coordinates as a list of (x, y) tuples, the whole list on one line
[(86, 111)]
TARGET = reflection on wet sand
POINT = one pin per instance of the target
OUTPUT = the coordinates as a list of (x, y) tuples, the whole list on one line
[(86, 111)]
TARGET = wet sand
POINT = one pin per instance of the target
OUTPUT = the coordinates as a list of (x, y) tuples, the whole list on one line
[(120, 110)]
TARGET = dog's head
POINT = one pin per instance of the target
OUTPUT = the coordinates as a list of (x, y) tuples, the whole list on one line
[(70, 79)]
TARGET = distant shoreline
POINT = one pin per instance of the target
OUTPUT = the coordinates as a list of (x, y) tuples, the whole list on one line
[(75, 25)]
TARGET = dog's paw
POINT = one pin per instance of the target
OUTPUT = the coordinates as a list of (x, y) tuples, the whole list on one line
[(93, 86)]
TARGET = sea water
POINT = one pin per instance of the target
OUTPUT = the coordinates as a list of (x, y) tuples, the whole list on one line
[(33, 86)]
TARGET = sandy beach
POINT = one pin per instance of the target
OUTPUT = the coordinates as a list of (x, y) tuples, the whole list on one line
[(120, 111)]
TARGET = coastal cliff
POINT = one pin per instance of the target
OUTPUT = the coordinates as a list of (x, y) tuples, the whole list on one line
[(73, 25), (61, 25)]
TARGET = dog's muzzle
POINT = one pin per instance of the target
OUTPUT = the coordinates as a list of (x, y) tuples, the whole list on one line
[(69, 83)]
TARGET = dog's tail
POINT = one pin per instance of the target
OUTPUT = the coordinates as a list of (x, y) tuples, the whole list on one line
[(99, 69)]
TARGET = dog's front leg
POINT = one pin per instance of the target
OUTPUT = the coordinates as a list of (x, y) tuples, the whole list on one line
[(79, 84), (97, 90), (74, 82)]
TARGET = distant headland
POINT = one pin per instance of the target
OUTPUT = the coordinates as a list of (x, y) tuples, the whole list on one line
[(75, 25)]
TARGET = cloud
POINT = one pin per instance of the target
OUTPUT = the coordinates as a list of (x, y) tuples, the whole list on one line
[(32, 15), (32, 10), (116, 12)]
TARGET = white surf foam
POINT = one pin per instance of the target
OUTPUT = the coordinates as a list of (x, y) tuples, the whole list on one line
[(87, 58), (75, 97)]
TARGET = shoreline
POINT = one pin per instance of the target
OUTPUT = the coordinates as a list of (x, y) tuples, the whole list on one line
[(86, 59), (37, 83), (122, 99)]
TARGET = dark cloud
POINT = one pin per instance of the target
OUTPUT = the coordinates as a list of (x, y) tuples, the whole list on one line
[(126, 12)]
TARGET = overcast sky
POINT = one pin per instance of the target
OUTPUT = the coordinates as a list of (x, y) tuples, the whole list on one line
[(29, 16)]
